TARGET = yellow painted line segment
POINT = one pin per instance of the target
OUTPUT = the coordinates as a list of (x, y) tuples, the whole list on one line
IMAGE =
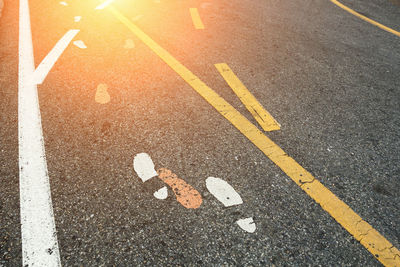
[(373, 22), (267, 122), (198, 24), (371, 239)]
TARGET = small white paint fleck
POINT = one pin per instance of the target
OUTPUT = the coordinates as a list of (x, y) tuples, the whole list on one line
[(205, 5), (104, 4), (63, 3), (80, 44), (77, 18), (162, 193), (129, 44), (223, 191), (236, 157), (102, 96), (247, 224), (137, 18), (144, 167)]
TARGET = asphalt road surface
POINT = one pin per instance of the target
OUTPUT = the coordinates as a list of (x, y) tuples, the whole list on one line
[(132, 81)]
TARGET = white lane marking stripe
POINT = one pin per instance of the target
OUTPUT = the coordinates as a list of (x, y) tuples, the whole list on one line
[(104, 5), (48, 62), (39, 238)]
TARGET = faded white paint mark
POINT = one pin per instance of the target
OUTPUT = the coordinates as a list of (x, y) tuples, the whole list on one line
[(48, 62), (102, 96), (144, 167), (137, 18), (223, 191), (205, 5), (129, 44), (247, 224), (104, 4), (162, 193), (63, 3), (80, 44), (39, 236), (77, 18)]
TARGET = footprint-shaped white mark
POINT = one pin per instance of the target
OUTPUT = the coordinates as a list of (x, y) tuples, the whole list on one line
[(162, 193), (63, 3), (247, 224), (144, 167), (80, 44), (77, 18), (223, 191)]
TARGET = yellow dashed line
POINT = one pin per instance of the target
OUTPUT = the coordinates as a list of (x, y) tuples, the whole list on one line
[(377, 244), (198, 24), (373, 22), (267, 122)]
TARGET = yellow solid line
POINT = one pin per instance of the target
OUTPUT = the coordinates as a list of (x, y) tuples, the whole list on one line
[(198, 24), (365, 18), (267, 122), (377, 244)]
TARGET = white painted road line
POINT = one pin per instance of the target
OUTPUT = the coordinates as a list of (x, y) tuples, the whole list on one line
[(48, 62), (39, 236)]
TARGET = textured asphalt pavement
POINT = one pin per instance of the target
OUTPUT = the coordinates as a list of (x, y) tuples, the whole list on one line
[(330, 79)]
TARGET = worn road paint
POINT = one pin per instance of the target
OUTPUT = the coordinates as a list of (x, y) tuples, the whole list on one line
[(247, 224), (102, 96), (198, 24), (80, 44), (104, 4), (129, 44), (371, 239), (48, 62), (137, 18), (1, 6), (39, 236), (162, 193), (185, 194), (373, 22), (267, 122), (205, 5), (77, 18), (223, 191), (144, 167)]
